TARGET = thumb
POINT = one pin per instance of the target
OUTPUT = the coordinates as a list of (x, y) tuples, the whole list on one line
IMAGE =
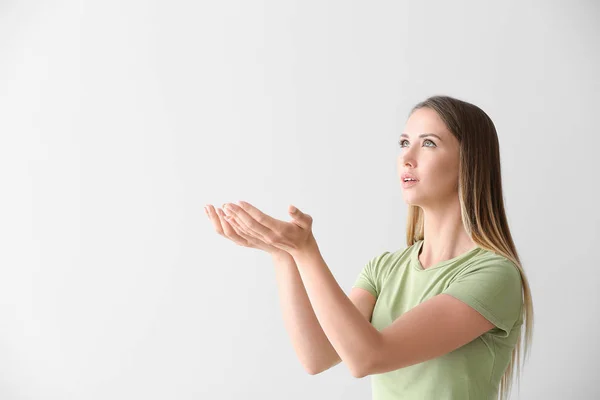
[(294, 212), (298, 215)]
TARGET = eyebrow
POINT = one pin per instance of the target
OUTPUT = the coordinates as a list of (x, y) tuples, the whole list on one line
[(423, 135)]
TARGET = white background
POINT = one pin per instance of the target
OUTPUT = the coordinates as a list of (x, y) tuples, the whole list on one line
[(120, 120)]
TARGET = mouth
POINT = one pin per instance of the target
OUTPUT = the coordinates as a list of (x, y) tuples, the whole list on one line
[(409, 183)]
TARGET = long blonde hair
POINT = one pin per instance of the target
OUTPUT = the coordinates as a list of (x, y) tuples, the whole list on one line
[(481, 202)]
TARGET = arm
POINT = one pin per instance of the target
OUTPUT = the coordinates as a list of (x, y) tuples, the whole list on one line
[(435, 327), (409, 339), (353, 338), (312, 347), (310, 342)]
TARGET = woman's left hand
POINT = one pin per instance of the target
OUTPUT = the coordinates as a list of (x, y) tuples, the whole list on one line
[(294, 236)]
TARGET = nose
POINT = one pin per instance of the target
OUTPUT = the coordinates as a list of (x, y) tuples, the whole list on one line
[(407, 159)]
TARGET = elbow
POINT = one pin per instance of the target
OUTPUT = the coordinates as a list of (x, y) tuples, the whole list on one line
[(312, 369), (359, 373), (366, 366), (315, 369)]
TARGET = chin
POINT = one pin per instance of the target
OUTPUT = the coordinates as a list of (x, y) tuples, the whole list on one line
[(409, 198), (409, 201)]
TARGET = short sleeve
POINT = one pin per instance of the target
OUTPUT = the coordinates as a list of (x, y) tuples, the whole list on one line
[(370, 277), (494, 289)]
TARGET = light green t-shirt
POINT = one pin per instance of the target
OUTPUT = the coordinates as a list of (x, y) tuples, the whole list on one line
[(488, 282)]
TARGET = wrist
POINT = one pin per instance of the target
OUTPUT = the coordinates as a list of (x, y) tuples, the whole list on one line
[(309, 247), (280, 254)]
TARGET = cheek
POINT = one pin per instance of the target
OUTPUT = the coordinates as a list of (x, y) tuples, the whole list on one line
[(450, 175), (443, 174)]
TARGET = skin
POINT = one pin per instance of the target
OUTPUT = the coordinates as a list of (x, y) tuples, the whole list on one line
[(434, 162), (428, 330), (236, 232)]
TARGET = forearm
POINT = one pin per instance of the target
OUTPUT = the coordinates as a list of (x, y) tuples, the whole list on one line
[(310, 343), (352, 337)]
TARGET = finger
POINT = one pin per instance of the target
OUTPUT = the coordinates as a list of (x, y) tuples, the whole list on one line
[(227, 228), (249, 221), (251, 237), (246, 230), (214, 218), (301, 219), (230, 232), (244, 233), (239, 230), (259, 216), (229, 218)]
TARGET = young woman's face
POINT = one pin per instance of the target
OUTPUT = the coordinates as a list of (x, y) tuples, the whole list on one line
[(432, 160)]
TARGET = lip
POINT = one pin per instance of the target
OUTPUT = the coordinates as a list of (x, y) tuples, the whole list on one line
[(408, 175), (406, 185), (409, 184)]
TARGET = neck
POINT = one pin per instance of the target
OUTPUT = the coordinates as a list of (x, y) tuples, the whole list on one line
[(444, 234)]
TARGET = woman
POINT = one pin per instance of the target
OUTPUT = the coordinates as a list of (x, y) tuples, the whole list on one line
[(438, 319)]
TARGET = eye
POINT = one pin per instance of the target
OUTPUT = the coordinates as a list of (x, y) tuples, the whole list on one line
[(426, 140)]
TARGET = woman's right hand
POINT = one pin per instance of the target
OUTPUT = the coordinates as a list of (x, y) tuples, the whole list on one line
[(234, 232)]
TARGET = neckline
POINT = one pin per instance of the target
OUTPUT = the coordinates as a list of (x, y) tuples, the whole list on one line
[(419, 267)]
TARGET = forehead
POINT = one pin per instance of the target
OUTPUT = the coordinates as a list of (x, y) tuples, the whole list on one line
[(425, 120)]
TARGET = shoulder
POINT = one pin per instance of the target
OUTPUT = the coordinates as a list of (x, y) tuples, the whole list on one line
[(488, 274), (492, 285), (491, 263), (390, 259)]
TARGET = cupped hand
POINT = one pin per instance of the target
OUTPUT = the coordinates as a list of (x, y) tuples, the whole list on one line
[(233, 231), (293, 237)]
